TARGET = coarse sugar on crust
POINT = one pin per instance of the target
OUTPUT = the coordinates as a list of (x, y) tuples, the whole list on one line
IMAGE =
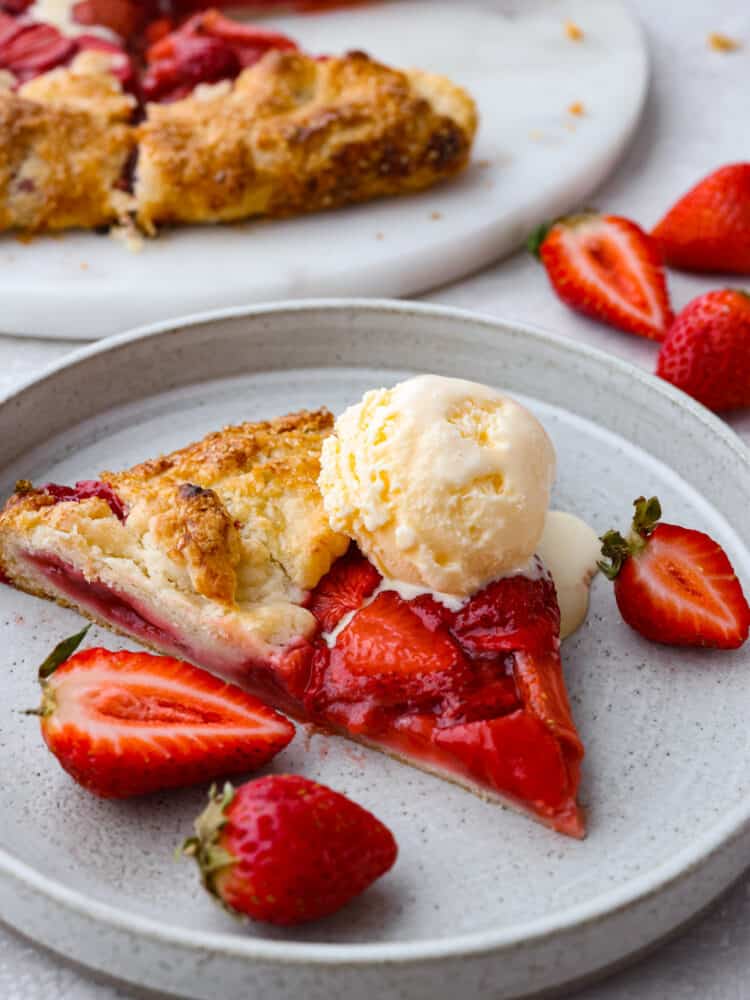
[(65, 145), (295, 134), (228, 533)]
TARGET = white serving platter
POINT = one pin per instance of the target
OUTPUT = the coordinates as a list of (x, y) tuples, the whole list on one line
[(482, 901), (533, 160)]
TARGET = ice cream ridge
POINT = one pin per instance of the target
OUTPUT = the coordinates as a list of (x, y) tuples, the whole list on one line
[(445, 486)]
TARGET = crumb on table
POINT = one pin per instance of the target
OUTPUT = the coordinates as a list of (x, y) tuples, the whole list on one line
[(572, 31), (378, 236), (723, 43), (577, 109), (436, 215)]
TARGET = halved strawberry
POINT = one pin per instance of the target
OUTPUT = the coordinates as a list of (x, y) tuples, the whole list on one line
[(608, 268), (124, 724), (675, 585), (351, 580), (708, 229)]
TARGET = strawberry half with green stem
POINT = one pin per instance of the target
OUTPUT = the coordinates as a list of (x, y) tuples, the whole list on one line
[(675, 585), (286, 850), (708, 229), (707, 350), (125, 724), (608, 268)]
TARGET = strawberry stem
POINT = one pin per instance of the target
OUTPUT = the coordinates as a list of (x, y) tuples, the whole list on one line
[(205, 846), (62, 651), (616, 549), (537, 237), (647, 514)]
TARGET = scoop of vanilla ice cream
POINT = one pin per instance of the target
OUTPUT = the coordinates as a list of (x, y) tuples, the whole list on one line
[(443, 483)]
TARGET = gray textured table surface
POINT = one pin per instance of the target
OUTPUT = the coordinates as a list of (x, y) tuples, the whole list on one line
[(696, 118)]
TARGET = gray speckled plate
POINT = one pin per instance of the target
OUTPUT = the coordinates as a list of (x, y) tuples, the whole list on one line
[(482, 901)]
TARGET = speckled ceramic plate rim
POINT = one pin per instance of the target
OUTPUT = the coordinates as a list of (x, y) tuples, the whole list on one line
[(648, 885)]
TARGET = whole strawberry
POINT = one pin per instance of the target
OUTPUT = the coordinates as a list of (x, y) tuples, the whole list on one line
[(709, 227), (707, 350), (606, 267), (675, 585), (286, 850), (125, 724)]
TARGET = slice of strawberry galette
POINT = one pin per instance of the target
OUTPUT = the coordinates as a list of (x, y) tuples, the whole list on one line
[(223, 553)]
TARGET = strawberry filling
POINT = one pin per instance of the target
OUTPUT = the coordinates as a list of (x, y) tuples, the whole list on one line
[(477, 692), (107, 603), (206, 48), (86, 489), (28, 49), (271, 682)]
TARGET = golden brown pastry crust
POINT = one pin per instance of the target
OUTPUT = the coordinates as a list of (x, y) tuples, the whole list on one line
[(88, 84), (294, 134), (236, 518), (198, 533), (291, 135), (64, 148)]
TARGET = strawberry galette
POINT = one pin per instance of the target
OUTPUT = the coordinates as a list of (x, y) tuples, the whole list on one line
[(116, 114), (223, 553)]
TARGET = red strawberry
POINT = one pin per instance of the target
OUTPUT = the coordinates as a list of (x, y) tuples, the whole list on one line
[(351, 579), (525, 759), (194, 59), (121, 16), (206, 48), (606, 267), (709, 227), (125, 724), (515, 612), (675, 585), (707, 350), (27, 50), (287, 850), (86, 489), (387, 656), (250, 41)]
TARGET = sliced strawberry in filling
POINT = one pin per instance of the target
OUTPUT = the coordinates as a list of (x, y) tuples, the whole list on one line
[(519, 755), (387, 658), (477, 693), (123, 17), (351, 580), (28, 49), (205, 49), (516, 612), (86, 489)]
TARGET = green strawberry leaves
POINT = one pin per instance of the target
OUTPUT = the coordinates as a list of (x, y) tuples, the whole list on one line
[(62, 652)]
